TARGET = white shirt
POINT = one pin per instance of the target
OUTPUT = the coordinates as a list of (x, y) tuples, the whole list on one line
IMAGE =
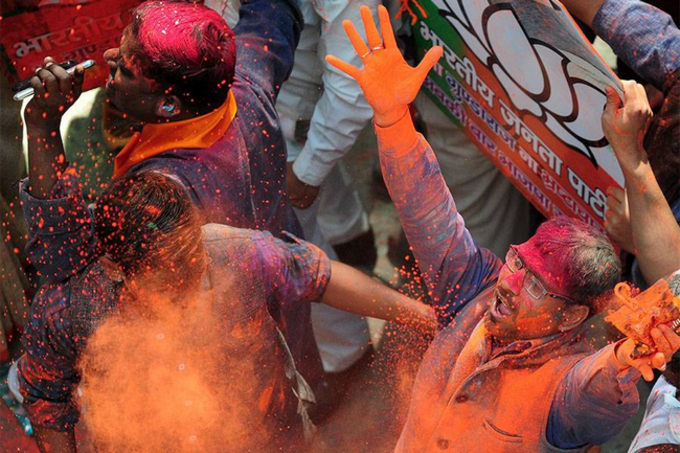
[(661, 423), (317, 91)]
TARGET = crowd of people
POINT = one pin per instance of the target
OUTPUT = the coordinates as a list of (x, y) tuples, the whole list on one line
[(235, 120)]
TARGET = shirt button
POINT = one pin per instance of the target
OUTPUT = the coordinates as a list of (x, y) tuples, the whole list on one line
[(442, 444), (462, 398)]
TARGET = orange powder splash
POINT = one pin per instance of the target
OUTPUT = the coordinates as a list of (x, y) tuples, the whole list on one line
[(162, 382)]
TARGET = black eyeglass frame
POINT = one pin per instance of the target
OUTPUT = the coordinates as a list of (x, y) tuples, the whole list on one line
[(513, 255)]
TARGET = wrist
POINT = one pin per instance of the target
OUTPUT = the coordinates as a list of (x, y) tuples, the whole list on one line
[(636, 172), (390, 118), (631, 157), (302, 176), (41, 127)]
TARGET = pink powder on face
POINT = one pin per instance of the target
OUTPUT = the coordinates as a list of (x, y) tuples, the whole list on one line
[(548, 266)]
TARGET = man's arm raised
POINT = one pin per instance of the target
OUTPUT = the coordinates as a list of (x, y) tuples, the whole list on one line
[(55, 91), (455, 268), (655, 232), (59, 224)]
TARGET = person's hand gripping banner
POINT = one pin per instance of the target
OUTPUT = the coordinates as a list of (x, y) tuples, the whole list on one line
[(388, 82)]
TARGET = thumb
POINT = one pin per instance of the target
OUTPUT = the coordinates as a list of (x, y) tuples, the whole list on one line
[(429, 60), (78, 78), (347, 68), (613, 101)]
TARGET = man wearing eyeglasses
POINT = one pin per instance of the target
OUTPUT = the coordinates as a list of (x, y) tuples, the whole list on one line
[(512, 369)]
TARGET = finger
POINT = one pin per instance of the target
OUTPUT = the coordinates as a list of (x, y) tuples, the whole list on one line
[(640, 93), (372, 34), (617, 193), (386, 28), (671, 336), (629, 92), (643, 99), (661, 342), (77, 81), (64, 79), (357, 41), (611, 227), (49, 82), (431, 58), (347, 68), (613, 204), (38, 87), (613, 102), (659, 361), (646, 371)]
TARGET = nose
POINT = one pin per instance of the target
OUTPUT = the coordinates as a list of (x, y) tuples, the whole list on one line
[(111, 57)]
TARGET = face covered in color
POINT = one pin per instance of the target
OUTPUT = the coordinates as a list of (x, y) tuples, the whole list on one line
[(128, 89), (531, 300)]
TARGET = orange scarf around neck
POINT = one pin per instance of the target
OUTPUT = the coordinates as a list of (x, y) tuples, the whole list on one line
[(200, 132)]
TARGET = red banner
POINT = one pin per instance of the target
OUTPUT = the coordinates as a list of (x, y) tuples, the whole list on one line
[(76, 32)]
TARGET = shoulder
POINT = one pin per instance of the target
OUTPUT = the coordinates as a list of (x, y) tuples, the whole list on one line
[(215, 232), (225, 244), (449, 341)]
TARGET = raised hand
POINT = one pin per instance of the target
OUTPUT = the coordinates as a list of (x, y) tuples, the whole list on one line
[(388, 82), (55, 91), (625, 126)]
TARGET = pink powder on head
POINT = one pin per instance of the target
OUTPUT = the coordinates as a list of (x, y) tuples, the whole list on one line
[(183, 39)]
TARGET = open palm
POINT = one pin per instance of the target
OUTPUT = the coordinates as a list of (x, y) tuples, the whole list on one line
[(388, 82)]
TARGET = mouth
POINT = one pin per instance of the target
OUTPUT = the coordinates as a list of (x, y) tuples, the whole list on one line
[(499, 306)]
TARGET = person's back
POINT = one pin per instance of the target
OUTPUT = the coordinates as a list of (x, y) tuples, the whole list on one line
[(216, 362), (193, 304)]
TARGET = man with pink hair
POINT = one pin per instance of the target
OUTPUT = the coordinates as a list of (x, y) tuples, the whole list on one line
[(204, 97), (512, 369)]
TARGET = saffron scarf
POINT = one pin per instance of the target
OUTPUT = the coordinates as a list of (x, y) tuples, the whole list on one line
[(200, 132)]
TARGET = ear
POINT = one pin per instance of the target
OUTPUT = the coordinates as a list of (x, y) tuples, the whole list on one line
[(168, 106), (111, 269), (573, 316)]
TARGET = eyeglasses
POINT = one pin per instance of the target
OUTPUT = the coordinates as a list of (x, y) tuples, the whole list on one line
[(531, 283)]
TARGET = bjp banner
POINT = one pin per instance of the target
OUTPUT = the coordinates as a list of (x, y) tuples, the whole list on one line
[(64, 30), (528, 88)]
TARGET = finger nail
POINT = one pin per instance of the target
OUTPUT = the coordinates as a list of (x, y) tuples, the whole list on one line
[(663, 367)]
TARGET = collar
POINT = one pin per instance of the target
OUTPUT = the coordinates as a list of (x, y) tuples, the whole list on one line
[(539, 349), (200, 132)]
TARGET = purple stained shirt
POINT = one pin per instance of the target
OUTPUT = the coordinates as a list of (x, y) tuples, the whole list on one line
[(643, 36), (270, 272)]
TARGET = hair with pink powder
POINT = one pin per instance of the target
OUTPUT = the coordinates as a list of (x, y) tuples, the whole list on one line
[(186, 47), (591, 265)]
